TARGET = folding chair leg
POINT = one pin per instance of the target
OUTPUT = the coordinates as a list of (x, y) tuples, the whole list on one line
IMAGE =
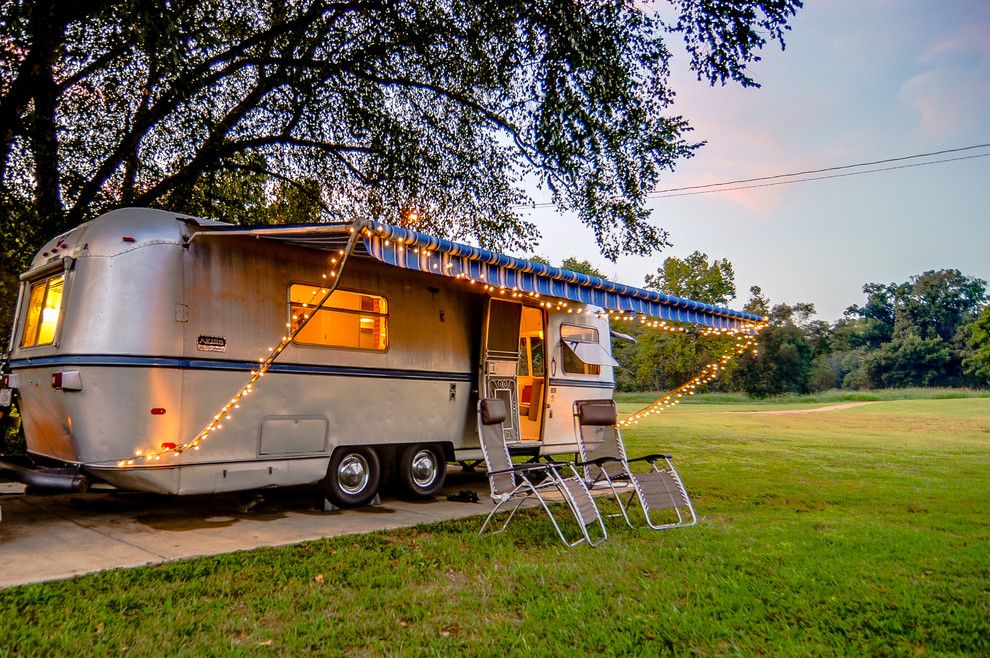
[(623, 506), (515, 508), (556, 525), (573, 503), (491, 515)]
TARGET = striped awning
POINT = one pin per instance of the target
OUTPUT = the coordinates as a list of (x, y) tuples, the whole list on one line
[(417, 251), (412, 250)]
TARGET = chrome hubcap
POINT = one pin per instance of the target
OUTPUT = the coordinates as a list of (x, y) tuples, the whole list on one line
[(424, 468), (353, 474)]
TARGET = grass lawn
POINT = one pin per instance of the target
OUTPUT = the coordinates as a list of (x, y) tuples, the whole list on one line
[(856, 531)]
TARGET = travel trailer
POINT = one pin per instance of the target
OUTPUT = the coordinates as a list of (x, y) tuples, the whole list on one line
[(364, 348)]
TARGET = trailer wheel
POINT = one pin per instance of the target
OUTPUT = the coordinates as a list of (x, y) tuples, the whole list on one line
[(422, 470), (352, 476)]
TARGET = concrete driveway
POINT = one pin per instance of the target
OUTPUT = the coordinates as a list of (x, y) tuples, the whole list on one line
[(51, 537)]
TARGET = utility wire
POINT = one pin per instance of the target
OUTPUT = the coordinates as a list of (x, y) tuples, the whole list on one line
[(805, 180), (721, 187), (825, 169)]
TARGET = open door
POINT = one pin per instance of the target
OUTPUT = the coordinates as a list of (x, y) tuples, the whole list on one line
[(500, 358), (532, 373)]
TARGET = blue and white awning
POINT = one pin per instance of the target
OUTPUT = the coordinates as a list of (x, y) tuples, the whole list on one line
[(417, 251), (412, 250)]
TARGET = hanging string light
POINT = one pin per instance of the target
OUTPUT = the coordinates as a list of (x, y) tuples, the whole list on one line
[(438, 261), (319, 297), (744, 342)]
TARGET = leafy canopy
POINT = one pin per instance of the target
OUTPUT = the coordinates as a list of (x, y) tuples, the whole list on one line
[(445, 107), (695, 278), (978, 340)]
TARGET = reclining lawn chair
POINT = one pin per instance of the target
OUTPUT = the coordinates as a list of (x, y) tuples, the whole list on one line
[(605, 463), (535, 481)]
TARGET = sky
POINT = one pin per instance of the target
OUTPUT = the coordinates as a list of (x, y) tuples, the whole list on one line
[(859, 81)]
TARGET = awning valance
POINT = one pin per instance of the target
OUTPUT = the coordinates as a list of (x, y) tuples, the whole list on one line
[(417, 251), (412, 250)]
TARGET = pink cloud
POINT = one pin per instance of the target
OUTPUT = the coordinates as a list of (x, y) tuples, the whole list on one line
[(951, 92)]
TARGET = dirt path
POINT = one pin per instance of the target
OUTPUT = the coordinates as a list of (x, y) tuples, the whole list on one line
[(783, 412)]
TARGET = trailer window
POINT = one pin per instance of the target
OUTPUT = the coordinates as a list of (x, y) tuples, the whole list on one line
[(572, 364), (348, 319), (44, 306)]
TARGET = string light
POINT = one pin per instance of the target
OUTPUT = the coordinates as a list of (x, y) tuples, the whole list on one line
[(319, 297), (744, 331), (744, 342)]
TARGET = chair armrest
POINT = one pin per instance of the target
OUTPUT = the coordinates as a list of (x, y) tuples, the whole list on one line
[(548, 460), (556, 465), (651, 458), (598, 461), (518, 468)]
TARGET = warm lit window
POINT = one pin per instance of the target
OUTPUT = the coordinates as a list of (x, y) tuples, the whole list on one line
[(44, 306), (347, 319), (578, 335)]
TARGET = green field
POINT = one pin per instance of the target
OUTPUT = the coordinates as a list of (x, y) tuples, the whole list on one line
[(853, 531)]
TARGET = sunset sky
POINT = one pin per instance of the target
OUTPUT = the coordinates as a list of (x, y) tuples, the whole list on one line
[(860, 80)]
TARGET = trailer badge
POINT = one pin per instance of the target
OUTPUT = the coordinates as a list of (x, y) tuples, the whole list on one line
[(211, 344)]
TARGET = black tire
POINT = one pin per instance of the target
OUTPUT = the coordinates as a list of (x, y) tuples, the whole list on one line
[(353, 476), (422, 469)]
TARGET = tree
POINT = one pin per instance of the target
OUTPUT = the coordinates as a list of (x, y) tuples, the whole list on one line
[(909, 361), (662, 361), (878, 313), (443, 106), (935, 304), (783, 362), (695, 278), (913, 333), (581, 266), (781, 365), (978, 340), (757, 304)]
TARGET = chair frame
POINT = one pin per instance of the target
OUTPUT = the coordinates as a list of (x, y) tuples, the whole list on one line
[(625, 481), (560, 477)]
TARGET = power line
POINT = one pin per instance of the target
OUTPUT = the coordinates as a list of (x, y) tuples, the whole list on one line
[(825, 169), (721, 187), (805, 180)]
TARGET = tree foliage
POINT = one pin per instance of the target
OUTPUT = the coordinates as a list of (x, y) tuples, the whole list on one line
[(443, 106), (695, 278), (978, 340), (932, 330), (783, 362), (914, 333), (908, 361), (662, 361), (581, 266)]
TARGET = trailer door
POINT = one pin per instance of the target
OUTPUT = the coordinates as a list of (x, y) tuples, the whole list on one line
[(500, 358)]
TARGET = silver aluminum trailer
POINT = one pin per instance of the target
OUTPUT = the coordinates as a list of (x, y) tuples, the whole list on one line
[(134, 329)]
